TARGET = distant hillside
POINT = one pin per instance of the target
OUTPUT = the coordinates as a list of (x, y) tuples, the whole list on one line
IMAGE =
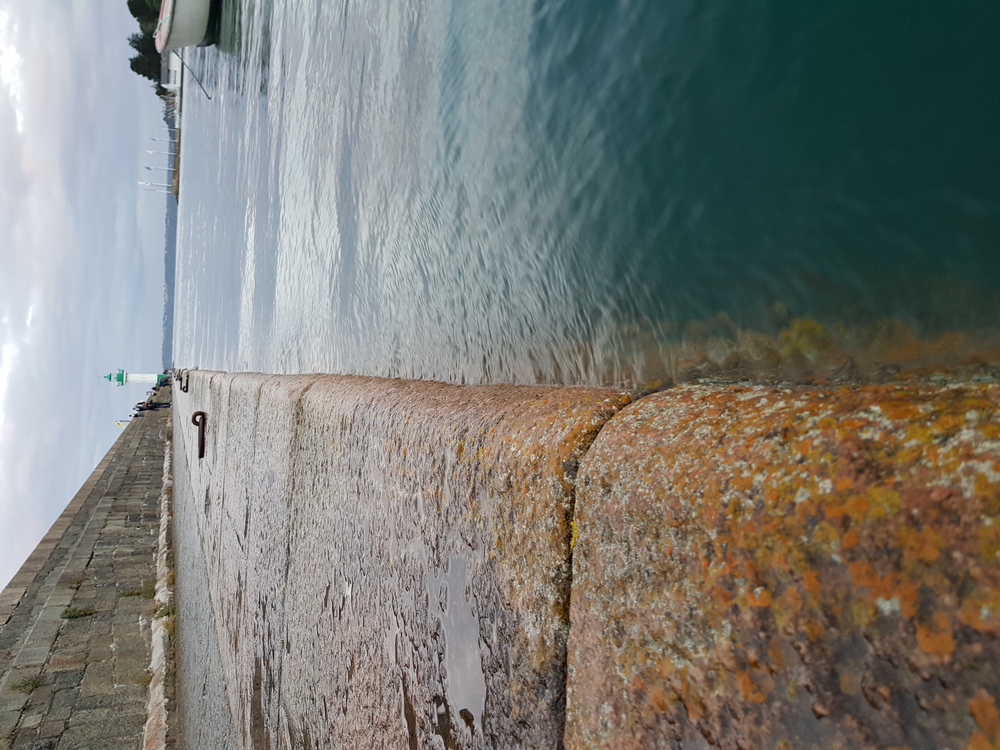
[(169, 270), (169, 275)]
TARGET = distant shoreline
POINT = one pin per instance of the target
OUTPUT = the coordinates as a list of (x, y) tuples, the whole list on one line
[(175, 182)]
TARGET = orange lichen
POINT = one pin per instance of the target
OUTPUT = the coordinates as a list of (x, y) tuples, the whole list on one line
[(883, 502), (981, 611), (856, 506), (776, 652), (814, 629), (657, 699), (748, 689), (840, 520), (863, 575), (850, 684), (849, 540), (793, 599), (923, 545), (937, 641), (692, 703), (898, 409), (811, 580), (909, 596), (984, 710), (760, 598)]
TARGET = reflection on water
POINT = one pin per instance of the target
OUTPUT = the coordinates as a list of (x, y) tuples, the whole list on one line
[(557, 192)]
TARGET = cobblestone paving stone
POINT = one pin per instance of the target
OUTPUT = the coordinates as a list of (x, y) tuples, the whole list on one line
[(71, 684)]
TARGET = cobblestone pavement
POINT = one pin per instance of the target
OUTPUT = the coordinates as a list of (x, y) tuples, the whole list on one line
[(74, 621)]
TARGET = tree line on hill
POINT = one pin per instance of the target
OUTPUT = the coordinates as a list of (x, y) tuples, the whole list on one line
[(146, 61)]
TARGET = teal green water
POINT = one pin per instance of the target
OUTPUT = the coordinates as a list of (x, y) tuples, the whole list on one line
[(585, 191)]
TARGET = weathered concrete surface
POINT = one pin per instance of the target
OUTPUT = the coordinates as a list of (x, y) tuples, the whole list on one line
[(769, 567), (388, 560), (78, 683)]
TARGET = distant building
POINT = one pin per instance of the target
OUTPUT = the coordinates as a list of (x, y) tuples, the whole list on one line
[(170, 72), (122, 377)]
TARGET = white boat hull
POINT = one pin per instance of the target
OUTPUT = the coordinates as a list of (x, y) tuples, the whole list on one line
[(184, 23)]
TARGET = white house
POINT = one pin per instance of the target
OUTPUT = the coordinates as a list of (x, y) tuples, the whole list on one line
[(170, 72)]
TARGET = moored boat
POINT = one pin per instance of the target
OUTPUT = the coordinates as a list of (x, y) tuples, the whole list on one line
[(187, 23)]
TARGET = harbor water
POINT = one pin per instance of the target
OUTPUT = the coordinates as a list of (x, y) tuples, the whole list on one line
[(590, 192)]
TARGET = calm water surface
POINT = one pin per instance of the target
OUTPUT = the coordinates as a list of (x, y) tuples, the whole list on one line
[(586, 191), (563, 191)]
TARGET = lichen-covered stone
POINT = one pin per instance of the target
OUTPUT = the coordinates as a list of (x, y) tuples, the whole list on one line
[(760, 566)]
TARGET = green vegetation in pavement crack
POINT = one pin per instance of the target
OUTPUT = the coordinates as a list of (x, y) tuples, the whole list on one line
[(28, 684), (74, 613), (148, 591)]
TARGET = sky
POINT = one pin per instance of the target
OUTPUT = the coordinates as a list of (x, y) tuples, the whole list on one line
[(81, 252)]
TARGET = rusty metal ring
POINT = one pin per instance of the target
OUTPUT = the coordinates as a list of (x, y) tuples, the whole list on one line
[(200, 420)]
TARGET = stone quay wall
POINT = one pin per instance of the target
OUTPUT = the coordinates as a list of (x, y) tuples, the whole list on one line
[(75, 620), (412, 564)]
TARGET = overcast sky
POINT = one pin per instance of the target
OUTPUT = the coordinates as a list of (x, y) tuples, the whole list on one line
[(81, 252)]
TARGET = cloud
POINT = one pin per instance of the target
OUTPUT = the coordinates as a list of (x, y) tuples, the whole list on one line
[(11, 66), (8, 353), (81, 288)]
